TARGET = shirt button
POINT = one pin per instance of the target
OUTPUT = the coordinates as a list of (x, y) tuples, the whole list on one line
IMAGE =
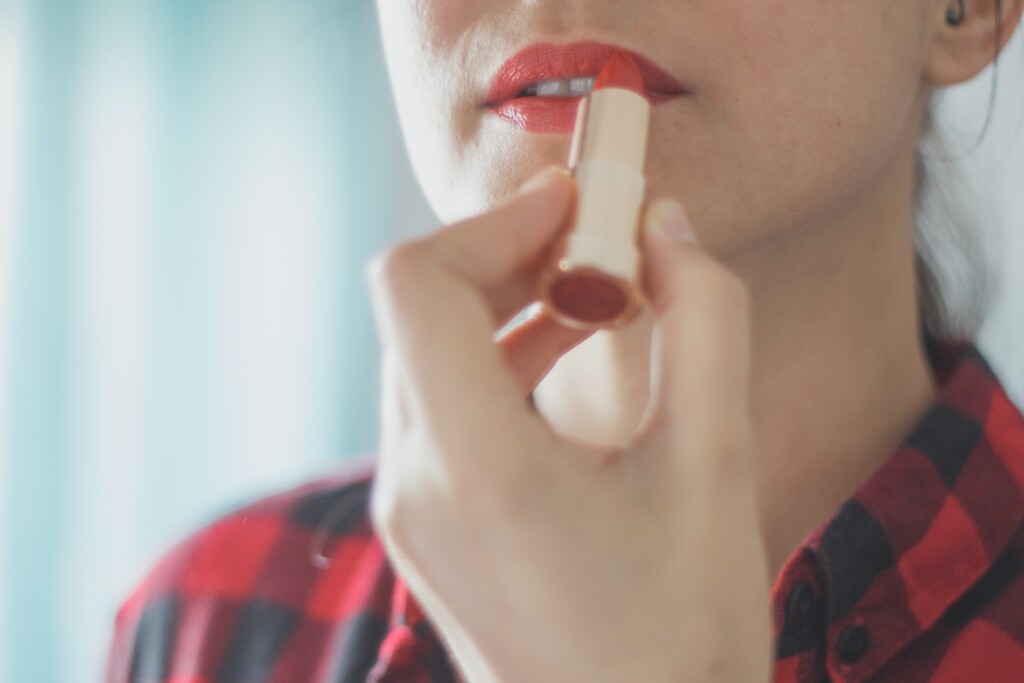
[(799, 607), (852, 644)]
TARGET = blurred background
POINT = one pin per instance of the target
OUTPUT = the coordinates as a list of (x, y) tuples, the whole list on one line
[(188, 192)]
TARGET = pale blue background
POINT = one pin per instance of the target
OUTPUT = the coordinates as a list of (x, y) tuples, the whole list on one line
[(188, 192)]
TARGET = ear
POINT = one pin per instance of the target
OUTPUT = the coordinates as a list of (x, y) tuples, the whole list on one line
[(959, 53)]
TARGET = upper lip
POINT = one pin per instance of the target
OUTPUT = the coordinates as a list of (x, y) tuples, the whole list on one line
[(548, 61)]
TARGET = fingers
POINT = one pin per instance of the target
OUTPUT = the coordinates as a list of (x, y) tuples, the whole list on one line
[(485, 250), (501, 253), (702, 360), (437, 302), (532, 348)]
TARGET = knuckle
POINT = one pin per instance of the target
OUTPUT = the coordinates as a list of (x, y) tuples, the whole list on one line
[(389, 271)]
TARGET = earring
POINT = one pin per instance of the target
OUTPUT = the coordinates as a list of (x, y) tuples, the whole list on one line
[(954, 18)]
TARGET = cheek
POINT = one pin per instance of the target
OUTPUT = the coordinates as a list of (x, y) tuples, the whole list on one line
[(408, 29), (805, 114), (422, 43)]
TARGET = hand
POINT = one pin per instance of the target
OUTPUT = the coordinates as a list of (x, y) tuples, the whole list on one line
[(537, 558)]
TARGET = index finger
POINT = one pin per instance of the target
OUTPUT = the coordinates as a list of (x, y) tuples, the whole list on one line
[(435, 305)]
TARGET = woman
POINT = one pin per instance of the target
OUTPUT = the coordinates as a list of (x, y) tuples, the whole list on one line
[(770, 474)]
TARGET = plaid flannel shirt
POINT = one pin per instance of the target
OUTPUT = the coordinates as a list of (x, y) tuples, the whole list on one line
[(917, 578)]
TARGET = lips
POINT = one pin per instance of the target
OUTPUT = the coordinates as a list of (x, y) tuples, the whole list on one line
[(547, 62)]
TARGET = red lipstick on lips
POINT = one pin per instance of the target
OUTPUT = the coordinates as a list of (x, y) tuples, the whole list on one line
[(509, 96)]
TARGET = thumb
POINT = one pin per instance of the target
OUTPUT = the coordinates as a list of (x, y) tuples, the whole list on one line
[(701, 365)]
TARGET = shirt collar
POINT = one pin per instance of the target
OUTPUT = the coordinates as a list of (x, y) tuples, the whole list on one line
[(913, 538), (926, 525)]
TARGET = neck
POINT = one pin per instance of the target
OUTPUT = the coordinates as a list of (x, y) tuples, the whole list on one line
[(839, 374)]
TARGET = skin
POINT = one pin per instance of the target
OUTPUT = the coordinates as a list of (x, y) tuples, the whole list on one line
[(787, 352)]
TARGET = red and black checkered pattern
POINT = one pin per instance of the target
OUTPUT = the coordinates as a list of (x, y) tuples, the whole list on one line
[(917, 578), (293, 588)]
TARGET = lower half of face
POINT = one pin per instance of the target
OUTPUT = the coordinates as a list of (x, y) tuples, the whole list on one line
[(795, 111)]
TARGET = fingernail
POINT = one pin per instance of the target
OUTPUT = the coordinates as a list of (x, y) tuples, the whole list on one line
[(542, 179), (668, 216)]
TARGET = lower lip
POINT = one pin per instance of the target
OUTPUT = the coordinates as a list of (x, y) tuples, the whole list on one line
[(540, 114), (549, 114)]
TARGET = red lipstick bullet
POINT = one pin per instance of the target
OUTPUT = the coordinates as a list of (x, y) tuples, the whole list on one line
[(620, 72)]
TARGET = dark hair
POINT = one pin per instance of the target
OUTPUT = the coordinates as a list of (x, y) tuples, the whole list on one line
[(954, 281)]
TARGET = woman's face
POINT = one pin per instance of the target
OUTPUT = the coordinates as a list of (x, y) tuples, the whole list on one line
[(797, 114)]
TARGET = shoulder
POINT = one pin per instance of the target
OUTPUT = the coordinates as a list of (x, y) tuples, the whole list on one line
[(302, 559)]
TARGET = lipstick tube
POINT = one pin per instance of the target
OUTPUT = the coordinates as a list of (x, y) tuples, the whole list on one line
[(594, 282)]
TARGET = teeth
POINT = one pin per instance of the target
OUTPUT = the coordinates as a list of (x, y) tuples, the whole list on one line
[(581, 86), (563, 87), (553, 89)]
